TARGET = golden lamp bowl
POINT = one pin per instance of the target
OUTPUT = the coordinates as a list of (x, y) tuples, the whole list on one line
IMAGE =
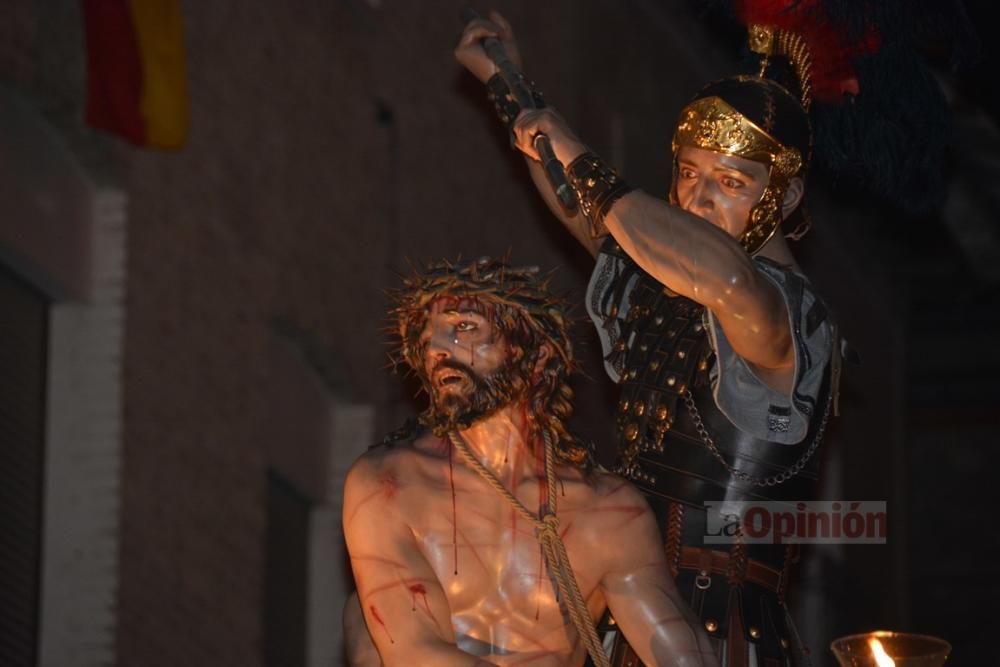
[(890, 649)]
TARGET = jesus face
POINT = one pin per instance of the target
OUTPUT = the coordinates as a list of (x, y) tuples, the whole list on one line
[(466, 362)]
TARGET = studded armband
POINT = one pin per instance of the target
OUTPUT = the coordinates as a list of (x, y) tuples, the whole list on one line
[(598, 187)]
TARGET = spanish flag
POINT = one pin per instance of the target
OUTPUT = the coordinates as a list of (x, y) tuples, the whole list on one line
[(136, 73)]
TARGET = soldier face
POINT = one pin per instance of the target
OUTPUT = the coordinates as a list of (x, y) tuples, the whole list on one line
[(719, 188)]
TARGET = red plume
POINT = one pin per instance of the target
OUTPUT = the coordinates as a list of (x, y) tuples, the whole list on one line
[(833, 75)]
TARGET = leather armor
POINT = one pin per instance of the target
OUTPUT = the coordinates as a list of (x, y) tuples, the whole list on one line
[(663, 356)]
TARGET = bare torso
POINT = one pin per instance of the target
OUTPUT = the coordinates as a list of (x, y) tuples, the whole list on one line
[(485, 556), (449, 574)]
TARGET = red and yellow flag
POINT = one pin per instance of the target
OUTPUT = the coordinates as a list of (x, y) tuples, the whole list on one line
[(136, 71)]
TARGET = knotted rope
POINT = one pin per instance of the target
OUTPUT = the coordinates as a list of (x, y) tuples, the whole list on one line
[(547, 527)]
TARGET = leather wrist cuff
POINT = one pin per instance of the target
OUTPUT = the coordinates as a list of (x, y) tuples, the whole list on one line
[(598, 187)]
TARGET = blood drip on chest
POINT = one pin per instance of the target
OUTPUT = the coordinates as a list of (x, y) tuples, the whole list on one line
[(454, 503), (418, 590), (541, 572), (378, 619)]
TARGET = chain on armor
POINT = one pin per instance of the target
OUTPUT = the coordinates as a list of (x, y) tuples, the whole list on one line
[(773, 480)]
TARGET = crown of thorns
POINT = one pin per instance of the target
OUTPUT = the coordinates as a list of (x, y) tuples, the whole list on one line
[(513, 292)]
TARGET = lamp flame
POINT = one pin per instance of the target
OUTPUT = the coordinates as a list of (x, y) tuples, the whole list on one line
[(881, 657)]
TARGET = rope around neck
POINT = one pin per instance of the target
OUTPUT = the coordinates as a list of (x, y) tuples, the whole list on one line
[(547, 528)]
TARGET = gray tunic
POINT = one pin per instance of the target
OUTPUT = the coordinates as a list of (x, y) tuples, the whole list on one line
[(749, 403)]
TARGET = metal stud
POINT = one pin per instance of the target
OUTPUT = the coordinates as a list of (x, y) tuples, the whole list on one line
[(681, 354), (754, 632), (631, 432), (662, 413), (639, 409), (711, 625), (658, 319), (671, 381)]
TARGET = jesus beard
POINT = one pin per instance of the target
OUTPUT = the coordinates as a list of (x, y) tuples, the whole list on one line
[(457, 411)]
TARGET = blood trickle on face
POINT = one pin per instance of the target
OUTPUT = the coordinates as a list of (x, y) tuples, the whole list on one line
[(719, 188), (461, 351)]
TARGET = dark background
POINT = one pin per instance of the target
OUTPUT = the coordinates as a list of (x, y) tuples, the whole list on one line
[(333, 143)]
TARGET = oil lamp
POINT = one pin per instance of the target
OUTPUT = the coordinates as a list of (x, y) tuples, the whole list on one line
[(890, 649)]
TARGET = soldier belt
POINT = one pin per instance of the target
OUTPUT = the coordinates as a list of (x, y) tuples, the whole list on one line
[(708, 561)]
